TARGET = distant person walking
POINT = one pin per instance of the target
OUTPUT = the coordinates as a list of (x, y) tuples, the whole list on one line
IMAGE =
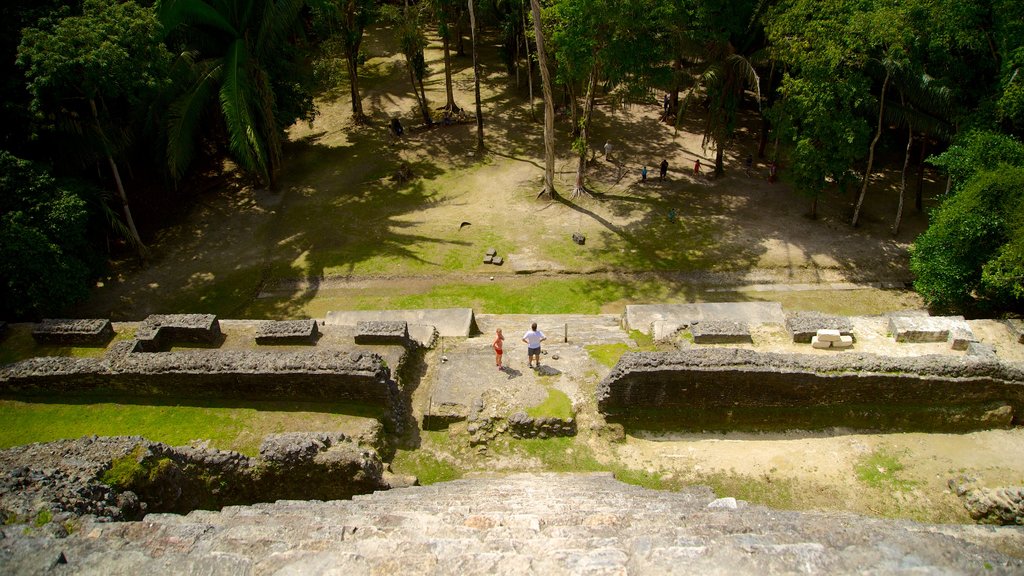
[(643, 174), (608, 150), (664, 169), (498, 345), (696, 167), (749, 164), (533, 338), (773, 171)]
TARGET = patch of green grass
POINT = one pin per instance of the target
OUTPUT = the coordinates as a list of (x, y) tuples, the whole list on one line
[(425, 466), (562, 454), (222, 294), (227, 425), (880, 469), (132, 471), (607, 354), (642, 339), (556, 405), (651, 480), (43, 518)]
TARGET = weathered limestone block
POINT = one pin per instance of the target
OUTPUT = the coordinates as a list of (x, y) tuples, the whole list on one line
[(287, 332), (925, 328), (828, 335), (843, 342), (382, 332), (160, 331), (720, 332), (960, 337), (817, 342), (803, 326), (1001, 506), (73, 332)]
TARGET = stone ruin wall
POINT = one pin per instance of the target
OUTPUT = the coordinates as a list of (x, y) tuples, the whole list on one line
[(309, 375), (725, 379)]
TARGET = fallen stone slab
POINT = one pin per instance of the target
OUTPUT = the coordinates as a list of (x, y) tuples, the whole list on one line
[(287, 332), (819, 344), (802, 327), (161, 331), (497, 261), (981, 350), (720, 332), (843, 342), (492, 252), (488, 258), (73, 332), (394, 332)]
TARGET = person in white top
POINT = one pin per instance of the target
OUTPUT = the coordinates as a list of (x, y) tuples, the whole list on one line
[(533, 338)]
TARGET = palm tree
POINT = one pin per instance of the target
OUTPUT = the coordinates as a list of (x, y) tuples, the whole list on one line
[(228, 44)]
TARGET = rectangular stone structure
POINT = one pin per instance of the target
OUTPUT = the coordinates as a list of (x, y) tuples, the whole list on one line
[(720, 332), (394, 332), (803, 327), (924, 328), (160, 331), (287, 332), (73, 332)]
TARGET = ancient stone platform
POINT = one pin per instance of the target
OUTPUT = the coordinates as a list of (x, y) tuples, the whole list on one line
[(287, 332), (803, 327), (665, 318), (447, 321), (520, 524), (720, 332), (160, 331), (74, 332), (927, 328)]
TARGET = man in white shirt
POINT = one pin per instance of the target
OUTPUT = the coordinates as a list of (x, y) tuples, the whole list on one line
[(533, 338)]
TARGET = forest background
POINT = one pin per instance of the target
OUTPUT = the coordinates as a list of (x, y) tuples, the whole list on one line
[(119, 116)]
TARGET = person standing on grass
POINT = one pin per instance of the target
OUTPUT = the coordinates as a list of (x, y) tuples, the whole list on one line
[(664, 168), (533, 338), (608, 150), (498, 345), (696, 167), (643, 174)]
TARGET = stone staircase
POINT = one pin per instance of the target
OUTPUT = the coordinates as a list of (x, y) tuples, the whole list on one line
[(524, 523)]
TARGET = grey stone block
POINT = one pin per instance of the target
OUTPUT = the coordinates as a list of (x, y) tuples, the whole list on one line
[(287, 332), (160, 331), (803, 326), (488, 259), (919, 329), (382, 332), (73, 332), (981, 350), (720, 332), (492, 252), (497, 261)]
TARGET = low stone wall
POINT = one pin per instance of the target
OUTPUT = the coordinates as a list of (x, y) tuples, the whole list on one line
[(519, 425), (691, 388), (127, 477), (73, 332), (233, 374)]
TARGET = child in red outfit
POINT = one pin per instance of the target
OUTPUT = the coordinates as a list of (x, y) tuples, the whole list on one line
[(498, 341)]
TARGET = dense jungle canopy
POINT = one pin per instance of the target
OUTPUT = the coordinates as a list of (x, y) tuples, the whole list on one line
[(115, 112)]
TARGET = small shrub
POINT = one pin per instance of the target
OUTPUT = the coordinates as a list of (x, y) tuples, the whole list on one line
[(43, 518)]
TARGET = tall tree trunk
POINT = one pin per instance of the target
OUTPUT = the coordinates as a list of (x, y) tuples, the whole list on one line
[(719, 160), (357, 102), (135, 239), (426, 107), (421, 99), (449, 95), (673, 102), (549, 104), (460, 47), (582, 142), (903, 176), (529, 65), (919, 191), (476, 80), (871, 151)]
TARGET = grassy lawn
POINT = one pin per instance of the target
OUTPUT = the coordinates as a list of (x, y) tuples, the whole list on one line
[(239, 426)]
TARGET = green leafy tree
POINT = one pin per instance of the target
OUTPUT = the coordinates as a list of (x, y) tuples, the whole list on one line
[(109, 54), (242, 59), (44, 236), (971, 255), (347, 21)]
